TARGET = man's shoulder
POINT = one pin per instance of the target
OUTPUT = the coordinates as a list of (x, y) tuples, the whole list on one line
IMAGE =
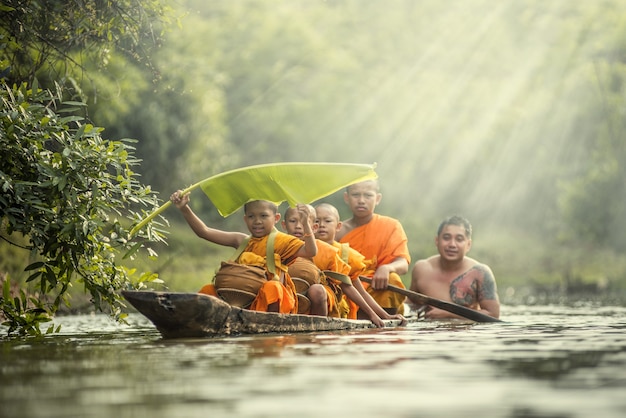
[(425, 269), (473, 263), (477, 265), (427, 263)]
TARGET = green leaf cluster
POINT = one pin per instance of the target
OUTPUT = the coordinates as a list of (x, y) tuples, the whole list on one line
[(67, 190), (22, 312), (51, 38)]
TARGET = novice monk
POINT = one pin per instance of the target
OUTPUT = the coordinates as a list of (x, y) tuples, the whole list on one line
[(380, 239), (328, 223), (327, 258), (260, 217), (321, 302), (323, 298), (453, 277)]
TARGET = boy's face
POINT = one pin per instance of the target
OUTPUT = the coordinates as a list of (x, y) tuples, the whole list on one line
[(452, 243), (260, 219), (327, 224), (362, 198), (292, 224)]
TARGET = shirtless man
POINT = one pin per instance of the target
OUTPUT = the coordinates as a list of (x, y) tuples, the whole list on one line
[(453, 277)]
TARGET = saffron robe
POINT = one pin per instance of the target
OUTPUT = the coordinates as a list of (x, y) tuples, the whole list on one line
[(282, 291), (356, 261), (381, 241), (327, 258)]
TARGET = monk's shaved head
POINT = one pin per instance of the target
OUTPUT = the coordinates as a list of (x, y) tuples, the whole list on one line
[(330, 208), (371, 184), (291, 210), (264, 203)]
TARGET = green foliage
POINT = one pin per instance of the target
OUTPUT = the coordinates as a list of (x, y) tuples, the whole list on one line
[(66, 188), (593, 199), (60, 36), (181, 120), (23, 313), (186, 263), (594, 205)]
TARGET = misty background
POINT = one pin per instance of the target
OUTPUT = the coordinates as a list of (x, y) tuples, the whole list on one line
[(510, 113)]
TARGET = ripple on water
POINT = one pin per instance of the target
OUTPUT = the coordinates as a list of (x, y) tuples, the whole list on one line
[(549, 361)]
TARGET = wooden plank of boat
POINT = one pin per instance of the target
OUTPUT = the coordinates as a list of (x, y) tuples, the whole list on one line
[(191, 315)]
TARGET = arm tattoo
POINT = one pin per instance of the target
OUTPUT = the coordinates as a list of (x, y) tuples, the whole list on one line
[(488, 289), (463, 290), (474, 285)]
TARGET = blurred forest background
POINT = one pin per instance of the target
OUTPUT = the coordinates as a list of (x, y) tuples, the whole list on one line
[(511, 113)]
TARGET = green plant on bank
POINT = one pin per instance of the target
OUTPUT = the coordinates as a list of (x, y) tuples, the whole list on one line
[(23, 311), (68, 191)]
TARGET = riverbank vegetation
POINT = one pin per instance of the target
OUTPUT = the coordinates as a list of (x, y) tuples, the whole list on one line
[(509, 114)]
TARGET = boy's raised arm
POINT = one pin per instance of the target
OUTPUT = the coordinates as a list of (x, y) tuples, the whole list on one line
[(309, 249), (216, 236)]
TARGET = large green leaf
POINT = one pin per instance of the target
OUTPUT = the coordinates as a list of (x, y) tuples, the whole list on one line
[(281, 182)]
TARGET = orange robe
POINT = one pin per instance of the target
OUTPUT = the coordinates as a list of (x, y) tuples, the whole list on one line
[(356, 261), (381, 241), (285, 249), (327, 258)]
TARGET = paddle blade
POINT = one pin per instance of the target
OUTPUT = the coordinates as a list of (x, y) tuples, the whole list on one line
[(343, 278), (441, 304)]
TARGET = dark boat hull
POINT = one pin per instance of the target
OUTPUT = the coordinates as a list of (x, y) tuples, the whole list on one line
[(192, 315)]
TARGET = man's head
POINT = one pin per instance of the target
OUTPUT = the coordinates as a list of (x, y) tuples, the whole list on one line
[(459, 221), (454, 238)]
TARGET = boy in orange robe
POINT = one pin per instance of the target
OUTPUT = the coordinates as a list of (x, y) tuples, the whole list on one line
[(260, 217), (380, 239), (327, 258), (328, 223), (323, 300)]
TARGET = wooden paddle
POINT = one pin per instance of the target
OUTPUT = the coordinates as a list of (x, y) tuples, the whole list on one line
[(468, 313)]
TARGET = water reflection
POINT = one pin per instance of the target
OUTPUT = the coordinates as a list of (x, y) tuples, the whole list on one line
[(547, 361), (553, 367)]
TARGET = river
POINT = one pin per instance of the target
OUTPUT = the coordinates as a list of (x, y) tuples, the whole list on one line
[(544, 361)]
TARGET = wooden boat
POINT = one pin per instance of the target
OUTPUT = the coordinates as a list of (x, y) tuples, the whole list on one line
[(192, 315)]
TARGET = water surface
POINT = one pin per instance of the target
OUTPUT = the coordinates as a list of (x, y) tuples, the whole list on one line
[(545, 361)]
